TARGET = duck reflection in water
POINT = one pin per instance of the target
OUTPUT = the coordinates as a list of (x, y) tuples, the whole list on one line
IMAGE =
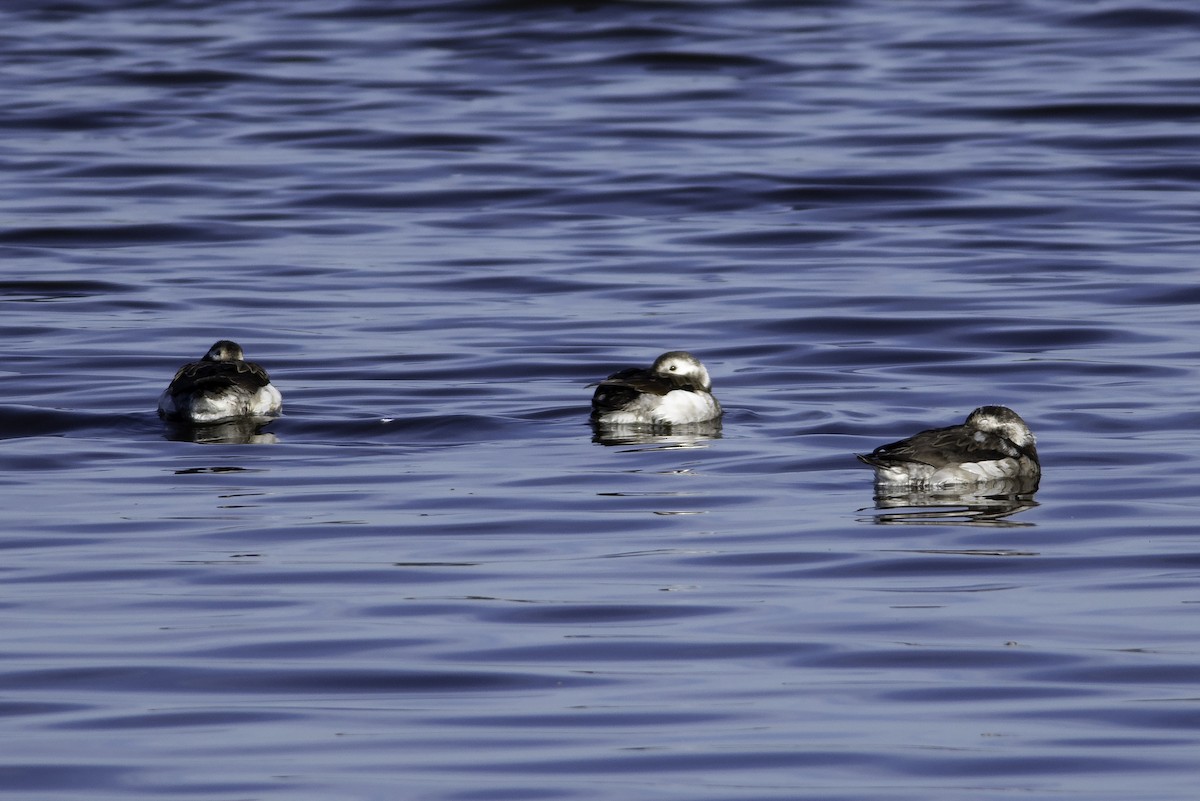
[(989, 503), (986, 469), (230, 432), (690, 435)]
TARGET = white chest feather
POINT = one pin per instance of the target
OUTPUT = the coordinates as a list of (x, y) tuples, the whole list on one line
[(916, 474), (677, 407), (215, 407)]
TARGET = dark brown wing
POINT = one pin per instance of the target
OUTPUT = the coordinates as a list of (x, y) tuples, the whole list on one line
[(624, 386), (939, 447), (201, 376), (648, 381)]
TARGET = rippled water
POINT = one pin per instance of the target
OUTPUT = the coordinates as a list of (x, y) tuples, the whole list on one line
[(435, 225)]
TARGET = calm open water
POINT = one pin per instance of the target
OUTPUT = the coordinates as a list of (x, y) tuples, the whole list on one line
[(435, 224)]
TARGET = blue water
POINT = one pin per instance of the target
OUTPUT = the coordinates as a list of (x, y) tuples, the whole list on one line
[(435, 224)]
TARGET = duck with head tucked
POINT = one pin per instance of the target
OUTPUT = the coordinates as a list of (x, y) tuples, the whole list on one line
[(993, 444), (675, 390), (221, 386)]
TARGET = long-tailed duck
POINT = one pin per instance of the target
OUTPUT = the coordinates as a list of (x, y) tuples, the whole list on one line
[(994, 443), (221, 386), (675, 390)]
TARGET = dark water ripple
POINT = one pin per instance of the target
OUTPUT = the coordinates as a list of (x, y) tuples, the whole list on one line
[(436, 225)]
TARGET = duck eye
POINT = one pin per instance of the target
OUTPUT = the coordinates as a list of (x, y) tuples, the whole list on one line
[(674, 367)]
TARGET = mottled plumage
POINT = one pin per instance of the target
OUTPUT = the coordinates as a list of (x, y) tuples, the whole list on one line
[(994, 443), (675, 390), (221, 386)]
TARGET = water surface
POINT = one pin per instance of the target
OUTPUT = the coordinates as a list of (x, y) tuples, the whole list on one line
[(435, 225)]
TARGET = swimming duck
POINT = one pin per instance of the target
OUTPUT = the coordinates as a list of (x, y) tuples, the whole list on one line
[(221, 386), (675, 390), (994, 443)]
